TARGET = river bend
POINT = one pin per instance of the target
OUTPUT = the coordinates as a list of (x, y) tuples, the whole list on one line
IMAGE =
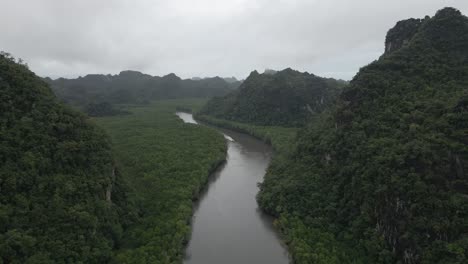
[(227, 226)]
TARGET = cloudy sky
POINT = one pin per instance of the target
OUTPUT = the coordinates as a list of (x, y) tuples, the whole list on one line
[(203, 38)]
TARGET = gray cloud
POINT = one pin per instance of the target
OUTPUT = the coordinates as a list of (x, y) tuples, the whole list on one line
[(203, 37)]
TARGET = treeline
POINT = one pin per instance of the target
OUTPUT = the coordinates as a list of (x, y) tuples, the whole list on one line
[(132, 87), (285, 98), (282, 139), (61, 198)]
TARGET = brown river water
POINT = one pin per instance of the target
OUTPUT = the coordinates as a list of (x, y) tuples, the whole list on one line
[(228, 227)]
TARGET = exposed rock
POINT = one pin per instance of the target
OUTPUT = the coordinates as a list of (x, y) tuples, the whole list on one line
[(401, 34)]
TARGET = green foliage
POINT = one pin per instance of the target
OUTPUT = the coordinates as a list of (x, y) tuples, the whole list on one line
[(132, 87), (286, 98), (56, 171), (383, 179), (166, 163), (280, 138), (102, 109)]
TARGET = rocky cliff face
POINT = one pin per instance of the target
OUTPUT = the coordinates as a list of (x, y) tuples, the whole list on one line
[(401, 34)]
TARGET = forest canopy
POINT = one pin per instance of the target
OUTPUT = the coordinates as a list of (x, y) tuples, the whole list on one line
[(285, 98), (383, 177), (136, 87), (61, 200)]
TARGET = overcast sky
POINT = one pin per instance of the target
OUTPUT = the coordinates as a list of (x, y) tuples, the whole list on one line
[(332, 38)]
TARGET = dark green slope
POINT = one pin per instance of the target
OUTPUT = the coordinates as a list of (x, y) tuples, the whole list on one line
[(59, 193), (285, 98), (136, 87), (384, 178)]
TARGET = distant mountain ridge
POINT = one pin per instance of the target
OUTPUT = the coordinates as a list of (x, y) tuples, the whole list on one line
[(136, 87), (286, 98)]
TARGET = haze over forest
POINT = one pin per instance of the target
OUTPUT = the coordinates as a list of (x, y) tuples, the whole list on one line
[(203, 38)]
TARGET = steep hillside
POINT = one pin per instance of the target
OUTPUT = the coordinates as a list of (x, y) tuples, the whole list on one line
[(384, 178), (60, 196), (136, 87), (285, 98)]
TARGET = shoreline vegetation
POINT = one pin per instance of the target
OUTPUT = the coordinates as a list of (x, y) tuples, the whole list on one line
[(167, 165), (281, 139)]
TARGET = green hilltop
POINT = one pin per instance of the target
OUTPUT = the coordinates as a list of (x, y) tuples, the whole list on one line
[(61, 199), (383, 177), (285, 98)]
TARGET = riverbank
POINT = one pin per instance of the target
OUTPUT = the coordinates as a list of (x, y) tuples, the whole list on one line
[(280, 138), (228, 226), (298, 237), (166, 164)]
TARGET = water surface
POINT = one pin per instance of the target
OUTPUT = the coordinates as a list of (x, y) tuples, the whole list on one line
[(228, 227)]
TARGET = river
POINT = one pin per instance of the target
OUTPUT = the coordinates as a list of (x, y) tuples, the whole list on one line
[(227, 226)]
